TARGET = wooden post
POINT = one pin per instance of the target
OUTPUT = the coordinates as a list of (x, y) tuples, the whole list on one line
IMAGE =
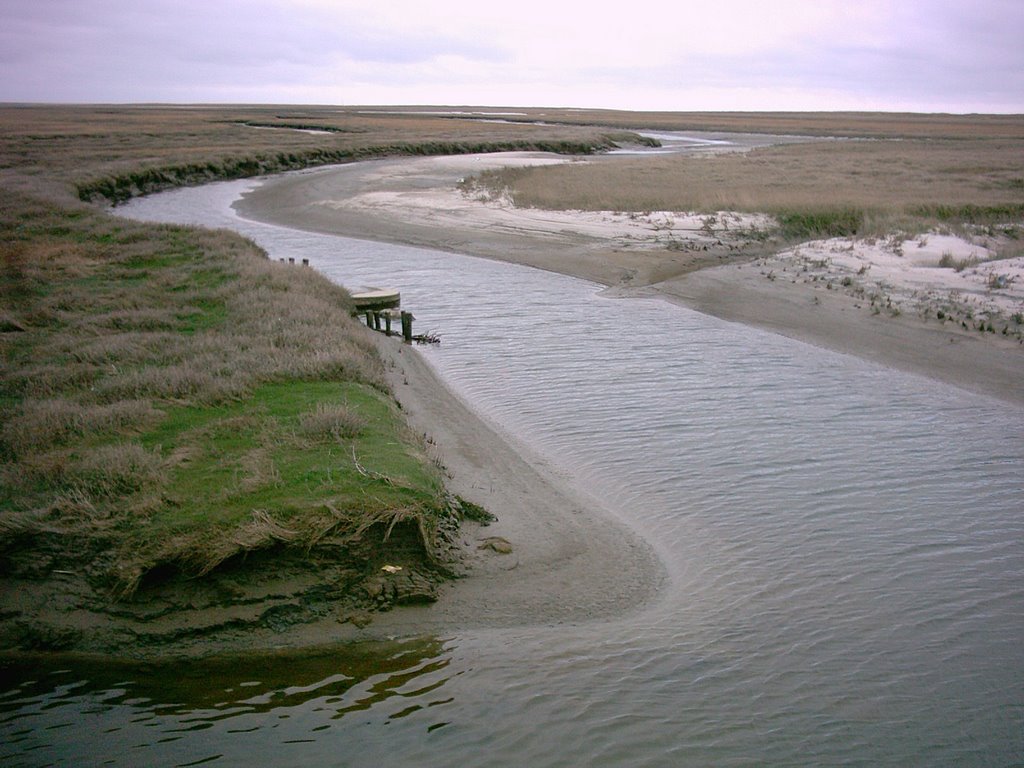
[(305, 262), (387, 323), (407, 326), (291, 259), (369, 319), (376, 321)]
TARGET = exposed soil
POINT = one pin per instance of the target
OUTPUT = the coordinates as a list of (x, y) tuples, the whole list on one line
[(248, 601)]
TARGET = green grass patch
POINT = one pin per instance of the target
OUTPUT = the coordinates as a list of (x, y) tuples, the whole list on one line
[(811, 224), (156, 261), (226, 462), (204, 315), (972, 214)]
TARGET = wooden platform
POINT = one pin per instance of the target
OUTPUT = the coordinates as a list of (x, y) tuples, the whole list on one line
[(376, 299)]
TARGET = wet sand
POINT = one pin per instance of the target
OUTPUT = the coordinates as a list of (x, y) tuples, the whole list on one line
[(572, 560), (416, 201)]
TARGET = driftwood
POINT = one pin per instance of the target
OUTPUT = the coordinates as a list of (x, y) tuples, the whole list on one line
[(427, 338)]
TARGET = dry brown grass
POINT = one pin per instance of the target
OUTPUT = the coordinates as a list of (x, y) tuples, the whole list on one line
[(872, 175), (113, 471), (51, 149), (335, 421), (38, 425)]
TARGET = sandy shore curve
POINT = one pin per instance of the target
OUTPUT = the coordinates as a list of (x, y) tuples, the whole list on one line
[(572, 560)]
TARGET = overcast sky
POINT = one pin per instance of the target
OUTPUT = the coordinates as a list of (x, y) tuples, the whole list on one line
[(913, 55)]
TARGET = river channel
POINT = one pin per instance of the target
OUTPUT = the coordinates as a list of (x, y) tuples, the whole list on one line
[(844, 546)]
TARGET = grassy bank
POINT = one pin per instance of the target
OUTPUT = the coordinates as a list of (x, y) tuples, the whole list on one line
[(124, 186), (172, 399)]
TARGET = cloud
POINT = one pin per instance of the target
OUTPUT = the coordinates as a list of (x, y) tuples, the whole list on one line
[(731, 54)]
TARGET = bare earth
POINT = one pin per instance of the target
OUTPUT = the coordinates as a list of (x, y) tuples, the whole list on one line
[(878, 301)]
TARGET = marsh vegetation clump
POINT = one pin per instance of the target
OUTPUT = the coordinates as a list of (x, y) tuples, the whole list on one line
[(949, 261), (332, 421)]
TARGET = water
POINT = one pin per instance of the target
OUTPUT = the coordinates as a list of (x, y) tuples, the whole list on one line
[(845, 546)]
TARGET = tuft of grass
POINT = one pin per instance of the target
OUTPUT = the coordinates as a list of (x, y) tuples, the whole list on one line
[(331, 421), (113, 472), (949, 261), (823, 223)]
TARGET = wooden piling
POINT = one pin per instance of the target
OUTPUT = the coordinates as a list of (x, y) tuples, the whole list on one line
[(305, 262), (407, 326), (387, 323)]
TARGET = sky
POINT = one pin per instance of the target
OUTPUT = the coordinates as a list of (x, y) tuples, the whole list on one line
[(896, 55)]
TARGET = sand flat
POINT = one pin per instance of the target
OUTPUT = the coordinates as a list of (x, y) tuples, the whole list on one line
[(417, 201)]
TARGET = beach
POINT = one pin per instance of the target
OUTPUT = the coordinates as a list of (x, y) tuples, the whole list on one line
[(808, 293)]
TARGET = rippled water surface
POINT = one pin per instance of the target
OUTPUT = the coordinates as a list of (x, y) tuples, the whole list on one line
[(845, 545)]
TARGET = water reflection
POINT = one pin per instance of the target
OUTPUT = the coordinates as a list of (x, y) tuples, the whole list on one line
[(143, 712)]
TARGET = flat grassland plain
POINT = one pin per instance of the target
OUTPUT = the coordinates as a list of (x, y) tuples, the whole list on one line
[(192, 464)]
